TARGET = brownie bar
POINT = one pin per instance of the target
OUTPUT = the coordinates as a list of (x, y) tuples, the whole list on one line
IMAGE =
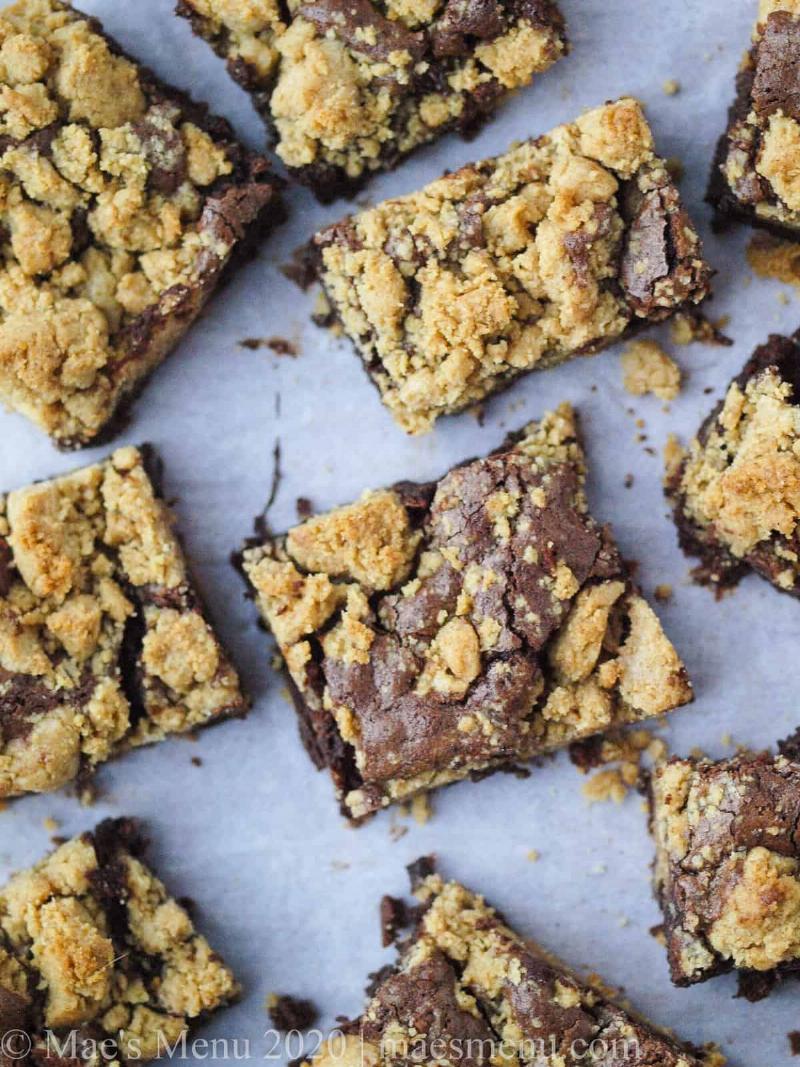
[(350, 87), (103, 642), (121, 203), (93, 948), (556, 249), (736, 490), (755, 177), (727, 869), (469, 992), (432, 632)]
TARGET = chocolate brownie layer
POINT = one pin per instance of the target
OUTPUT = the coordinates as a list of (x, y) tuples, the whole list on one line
[(349, 87), (435, 631), (755, 177), (468, 991), (736, 490), (92, 948), (556, 249), (121, 204), (727, 868), (103, 642)]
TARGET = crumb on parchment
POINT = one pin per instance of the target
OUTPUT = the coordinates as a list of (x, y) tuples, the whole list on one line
[(627, 751), (688, 328), (671, 87), (647, 368), (770, 257)]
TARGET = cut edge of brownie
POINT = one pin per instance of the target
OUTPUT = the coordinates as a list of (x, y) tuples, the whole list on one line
[(719, 568)]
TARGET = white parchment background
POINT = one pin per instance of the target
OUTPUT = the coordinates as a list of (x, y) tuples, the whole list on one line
[(284, 889)]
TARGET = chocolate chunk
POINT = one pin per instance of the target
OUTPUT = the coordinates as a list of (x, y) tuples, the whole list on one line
[(164, 149), (421, 868), (394, 917), (482, 19), (645, 259)]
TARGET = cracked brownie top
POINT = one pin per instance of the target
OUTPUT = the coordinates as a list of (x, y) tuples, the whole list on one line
[(351, 86), (120, 202), (736, 489), (91, 943), (432, 631), (469, 992), (553, 250), (103, 643), (728, 864), (756, 173)]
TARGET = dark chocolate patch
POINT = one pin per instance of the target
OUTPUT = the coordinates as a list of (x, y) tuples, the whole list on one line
[(291, 1013), (776, 84)]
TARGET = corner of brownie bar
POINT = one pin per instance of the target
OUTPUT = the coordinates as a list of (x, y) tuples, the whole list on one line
[(123, 205), (753, 177), (560, 247), (92, 946), (469, 991), (440, 631), (727, 870), (104, 641), (735, 491), (349, 89)]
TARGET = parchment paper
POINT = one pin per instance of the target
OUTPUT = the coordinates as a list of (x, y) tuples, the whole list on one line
[(286, 891)]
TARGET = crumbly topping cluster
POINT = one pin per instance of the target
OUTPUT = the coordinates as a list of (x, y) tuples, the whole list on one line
[(647, 368), (467, 981), (102, 643), (762, 142), (89, 938), (728, 863), (351, 85), (442, 629), (110, 213), (737, 487), (553, 250)]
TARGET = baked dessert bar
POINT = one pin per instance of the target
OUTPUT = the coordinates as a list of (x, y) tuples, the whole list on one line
[(103, 643), (121, 204), (467, 990), (736, 490), (350, 87), (433, 632), (755, 176), (562, 246), (727, 869), (93, 949)]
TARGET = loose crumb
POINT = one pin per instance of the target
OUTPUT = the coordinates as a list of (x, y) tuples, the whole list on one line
[(533, 855), (783, 298), (340, 865), (647, 368), (671, 87), (794, 1042), (713, 1057), (663, 593), (51, 825), (421, 809), (291, 1013), (673, 454), (688, 328), (628, 750), (769, 257), (196, 761), (657, 932), (279, 345), (628, 481)]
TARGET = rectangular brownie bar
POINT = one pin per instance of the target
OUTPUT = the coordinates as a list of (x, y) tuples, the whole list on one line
[(433, 632), (467, 991), (735, 491), (121, 204), (92, 947), (727, 870), (350, 87), (755, 176), (556, 249), (103, 642)]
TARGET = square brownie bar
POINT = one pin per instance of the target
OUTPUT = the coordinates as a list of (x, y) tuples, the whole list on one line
[(560, 247), (727, 870), (467, 991), (121, 204), (350, 87), (736, 490), (103, 642), (93, 948), (433, 632), (755, 176)]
